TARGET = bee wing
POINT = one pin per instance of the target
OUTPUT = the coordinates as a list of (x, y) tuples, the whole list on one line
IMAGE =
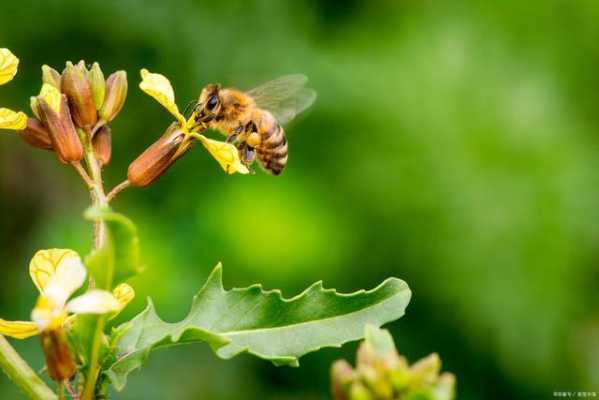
[(284, 97)]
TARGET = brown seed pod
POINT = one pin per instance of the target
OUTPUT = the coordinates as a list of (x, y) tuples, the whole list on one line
[(59, 360), (65, 139), (36, 134), (76, 86), (157, 158), (102, 143), (115, 95)]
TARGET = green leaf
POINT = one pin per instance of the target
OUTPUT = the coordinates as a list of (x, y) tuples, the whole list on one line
[(259, 322), (118, 258)]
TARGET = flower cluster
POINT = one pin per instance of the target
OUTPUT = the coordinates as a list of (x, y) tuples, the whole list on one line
[(57, 274), (72, 104), (381, 373)]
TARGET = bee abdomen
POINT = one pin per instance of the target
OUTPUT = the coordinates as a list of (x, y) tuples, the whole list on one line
[(272, 152)]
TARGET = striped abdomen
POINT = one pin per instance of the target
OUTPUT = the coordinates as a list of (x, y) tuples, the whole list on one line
[(272, 151)]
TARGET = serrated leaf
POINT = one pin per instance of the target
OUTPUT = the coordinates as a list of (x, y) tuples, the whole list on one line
[(259, 322), (118, 258)]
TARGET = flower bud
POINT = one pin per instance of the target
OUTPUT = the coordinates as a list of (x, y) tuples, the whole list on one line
[(426, 370), (78, 90), (51, 76), (96, 79), (342, 375), (359, 392), (36, 134), (157, 158), (115, 95), (65, 139), (59, 360), (102, 143)]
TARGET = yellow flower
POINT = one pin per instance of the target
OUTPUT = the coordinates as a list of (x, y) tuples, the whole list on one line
[(159, 87), (10, 119), (9, 64), (57, 274)]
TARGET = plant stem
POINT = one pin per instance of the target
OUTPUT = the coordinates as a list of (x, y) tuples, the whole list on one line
[(21, 373), (79, 168), (99, 200), (97, 186), (60, 391), (117, 189), (71, 391), (94, 367)]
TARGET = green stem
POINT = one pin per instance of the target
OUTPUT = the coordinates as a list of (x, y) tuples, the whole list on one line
[(60, 391), (94, 366), (99, 200), (97, 185), (21, 373)]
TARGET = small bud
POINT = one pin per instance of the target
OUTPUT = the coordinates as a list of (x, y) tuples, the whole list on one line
[(359, 392), (445, 387), (102, 143), (78, 90), (36, 134), (65, 139), (51, 76), (115, 95), (342, 375), (59, 360), (96, 79), (157, 158), (377, 381), (426, 370)]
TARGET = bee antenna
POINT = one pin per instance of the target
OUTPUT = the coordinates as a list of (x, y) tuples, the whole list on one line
[(190, 106)]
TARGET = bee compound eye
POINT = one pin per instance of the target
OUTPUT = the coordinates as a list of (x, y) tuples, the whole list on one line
[(212, 102)]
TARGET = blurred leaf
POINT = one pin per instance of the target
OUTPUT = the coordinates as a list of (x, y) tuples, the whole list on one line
[(260, 322), (118, 259)]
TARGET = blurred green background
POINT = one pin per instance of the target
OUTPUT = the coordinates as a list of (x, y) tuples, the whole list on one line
[(453, 144)]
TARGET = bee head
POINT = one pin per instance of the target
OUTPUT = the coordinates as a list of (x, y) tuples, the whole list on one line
[(209, 104)]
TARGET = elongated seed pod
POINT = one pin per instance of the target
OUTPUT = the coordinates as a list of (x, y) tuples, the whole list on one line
[(65, 139), (59, 360), (157, 158)]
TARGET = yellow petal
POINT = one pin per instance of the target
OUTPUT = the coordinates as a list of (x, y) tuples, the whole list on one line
[(18, 329), (43, 265), (47, 314), (94, 301), (10, 119), (124, 293), (51, 95), (226, 154), (68, 277), (159, 87), (8, 66)]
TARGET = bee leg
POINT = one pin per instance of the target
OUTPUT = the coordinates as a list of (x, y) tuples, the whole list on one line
[(232, 138), (247, 154), (234, 135)]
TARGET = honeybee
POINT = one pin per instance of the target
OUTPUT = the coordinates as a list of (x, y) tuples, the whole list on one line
[(252, 120)]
